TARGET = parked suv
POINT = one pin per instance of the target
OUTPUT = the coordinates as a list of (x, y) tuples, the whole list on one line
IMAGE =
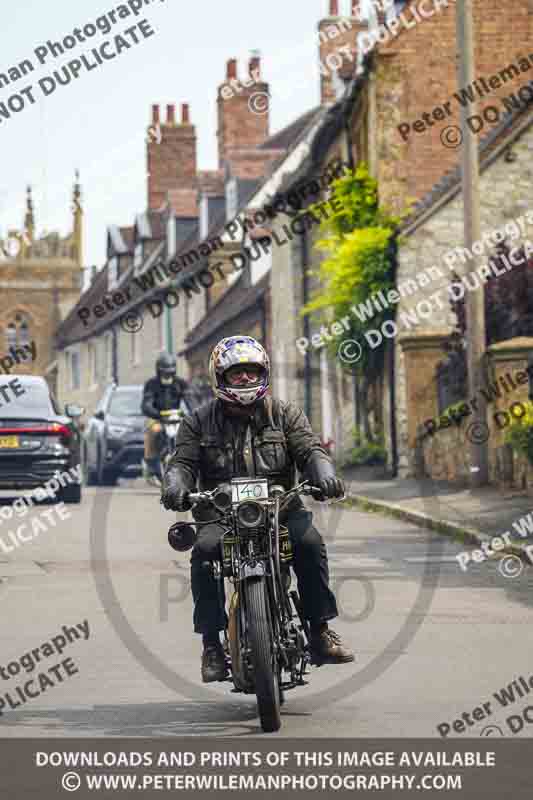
[(113, 442), (37, 440)]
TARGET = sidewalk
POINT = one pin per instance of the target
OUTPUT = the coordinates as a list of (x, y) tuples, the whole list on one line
[(473, 516)]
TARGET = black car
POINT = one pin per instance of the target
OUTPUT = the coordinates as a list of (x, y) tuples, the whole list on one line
[(113, 442), (38, 441)]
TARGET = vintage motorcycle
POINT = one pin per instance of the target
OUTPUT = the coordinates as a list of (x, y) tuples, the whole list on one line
[(266, 640), (170, 421)]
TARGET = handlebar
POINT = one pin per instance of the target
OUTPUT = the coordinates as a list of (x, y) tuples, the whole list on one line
[(302, 488)]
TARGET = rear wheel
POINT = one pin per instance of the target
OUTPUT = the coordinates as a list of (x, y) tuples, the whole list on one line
[(266, 674)]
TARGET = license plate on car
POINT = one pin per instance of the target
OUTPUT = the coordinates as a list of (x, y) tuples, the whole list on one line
[(9, 441), (249, 490)]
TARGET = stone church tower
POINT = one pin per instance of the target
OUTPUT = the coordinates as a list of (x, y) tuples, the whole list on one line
[(40, 282)]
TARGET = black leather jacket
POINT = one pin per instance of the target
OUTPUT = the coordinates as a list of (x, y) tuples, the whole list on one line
[(278, 441), (157, 397)]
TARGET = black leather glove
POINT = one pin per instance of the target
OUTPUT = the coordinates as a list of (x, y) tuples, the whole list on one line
[(174, 495), (176, 499), (321, 473)]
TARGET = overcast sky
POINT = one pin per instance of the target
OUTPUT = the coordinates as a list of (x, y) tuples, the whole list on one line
[(98, 123)]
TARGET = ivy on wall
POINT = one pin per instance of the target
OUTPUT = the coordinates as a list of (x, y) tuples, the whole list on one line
[(359, 240)]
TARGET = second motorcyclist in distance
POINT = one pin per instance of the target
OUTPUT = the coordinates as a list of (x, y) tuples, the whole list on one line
[(164, 392), (268, 438)]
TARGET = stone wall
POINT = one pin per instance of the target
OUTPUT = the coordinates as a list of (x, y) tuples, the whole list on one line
[(506, 191), (445, 455)]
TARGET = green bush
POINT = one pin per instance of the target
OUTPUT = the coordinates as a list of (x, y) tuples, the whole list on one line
[(520, 433), (366, 453)]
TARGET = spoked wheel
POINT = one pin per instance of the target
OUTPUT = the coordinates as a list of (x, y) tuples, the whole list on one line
[(281, 692), (266, 674)]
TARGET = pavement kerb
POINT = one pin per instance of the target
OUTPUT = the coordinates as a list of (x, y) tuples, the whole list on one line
[(463, 534)]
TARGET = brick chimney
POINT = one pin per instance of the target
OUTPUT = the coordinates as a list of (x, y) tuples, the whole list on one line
[(171, 155), (243, 111), (334, 32)]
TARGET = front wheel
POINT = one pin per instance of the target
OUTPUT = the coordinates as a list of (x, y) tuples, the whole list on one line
[(266, 674)]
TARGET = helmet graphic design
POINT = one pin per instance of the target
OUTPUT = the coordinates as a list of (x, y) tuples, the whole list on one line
[(228, 353)]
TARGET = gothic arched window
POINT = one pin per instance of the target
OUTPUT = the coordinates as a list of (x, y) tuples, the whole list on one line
[(11, 335), (18, 331), (24, 333)]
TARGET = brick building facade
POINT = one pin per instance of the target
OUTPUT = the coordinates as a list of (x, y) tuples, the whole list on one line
[(40, 280), (364, 100)]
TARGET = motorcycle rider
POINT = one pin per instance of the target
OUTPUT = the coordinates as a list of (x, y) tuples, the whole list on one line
[(241, 433), (163, 392)]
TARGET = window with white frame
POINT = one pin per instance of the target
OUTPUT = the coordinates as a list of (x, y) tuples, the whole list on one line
[(112, 273), (75, 375), (91, 358), (108, 349), (204, 217), (17, 332), (171, 236), (11, 335), (187, 314), (231, 199), (138, 256)]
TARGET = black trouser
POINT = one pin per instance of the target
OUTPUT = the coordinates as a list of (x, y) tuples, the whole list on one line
[(310, 563)]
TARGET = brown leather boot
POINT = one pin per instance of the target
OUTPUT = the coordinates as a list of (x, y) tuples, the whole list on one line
[(213, 663), (327, 648)]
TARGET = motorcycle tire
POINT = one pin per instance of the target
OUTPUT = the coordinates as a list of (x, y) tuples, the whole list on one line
[(266, 673)]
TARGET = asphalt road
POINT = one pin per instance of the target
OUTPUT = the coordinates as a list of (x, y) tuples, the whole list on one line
[(431, 641)]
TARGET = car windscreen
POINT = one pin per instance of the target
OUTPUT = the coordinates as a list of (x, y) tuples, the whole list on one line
[(126, 403), (34, 403)]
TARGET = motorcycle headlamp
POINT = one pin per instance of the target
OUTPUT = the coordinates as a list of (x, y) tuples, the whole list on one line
[(222, 499), (182, 536), (250, 514)]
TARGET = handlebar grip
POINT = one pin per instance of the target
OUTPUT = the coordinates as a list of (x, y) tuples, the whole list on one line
[(195, 497)]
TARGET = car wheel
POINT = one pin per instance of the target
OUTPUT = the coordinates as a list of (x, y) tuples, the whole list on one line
[(106, 475), (70, 494), (109, 477), (90, 475)]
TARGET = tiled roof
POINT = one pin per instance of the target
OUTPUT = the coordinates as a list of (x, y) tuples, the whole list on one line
[(251, 164), (72, 328), (284, 138), (230, 306)]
